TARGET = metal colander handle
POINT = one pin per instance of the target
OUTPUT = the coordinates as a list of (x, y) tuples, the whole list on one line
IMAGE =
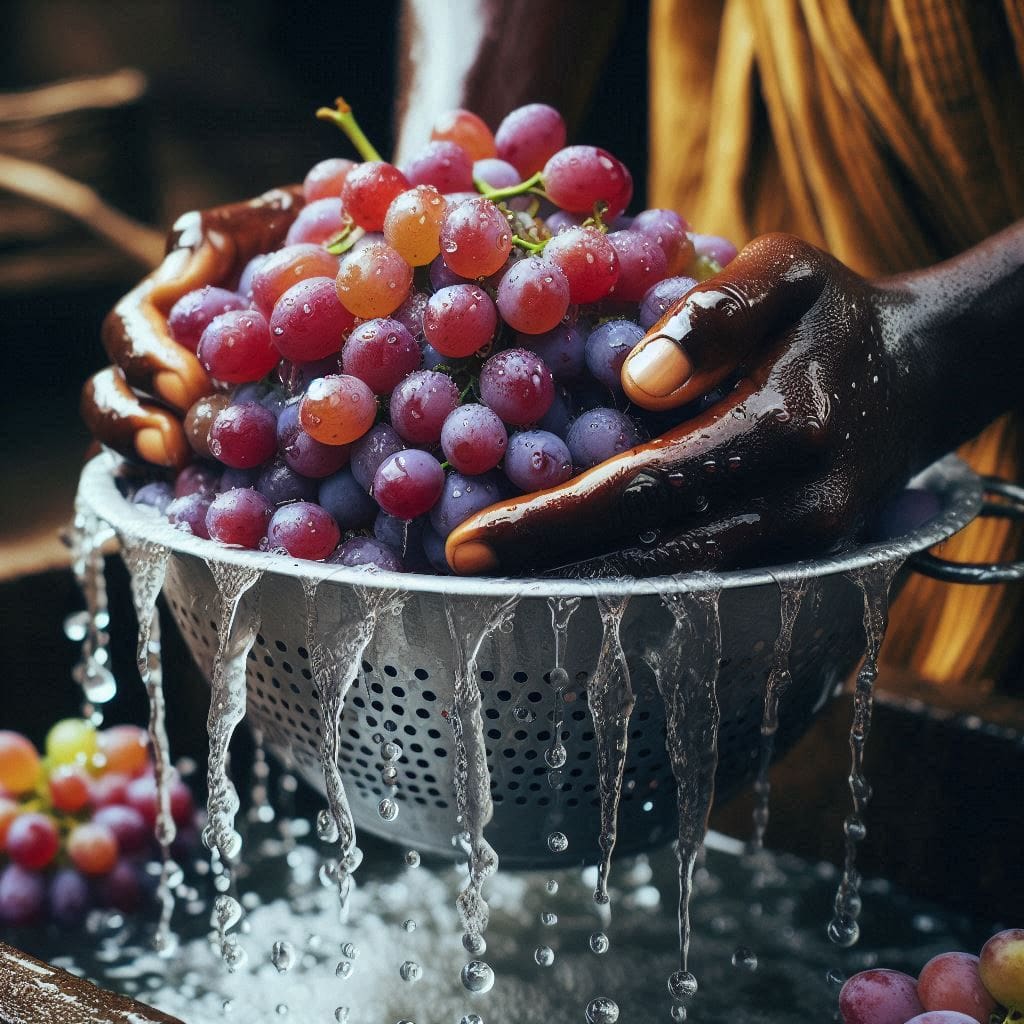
[(980, 572)]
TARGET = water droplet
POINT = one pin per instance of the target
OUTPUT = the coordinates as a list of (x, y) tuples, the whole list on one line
[(389, 776), (835, 978), (602, 1010), (551, 885), (678, 1013), (599, 942), (477, 976), (474, 943), (282, 955), (326, 826), (854, 828), (843, 930), (387, 809), (344, 969), (745, 958), (227, 912), (558, 678), (227, 1006), (524, 714), (390, 751), (409, 925), (548, 919), (557, 842), (350, 950), (341, 1015), (410, 971), (472, 1018), (544, 955), (412, 858), (682, 985), (234, 956)]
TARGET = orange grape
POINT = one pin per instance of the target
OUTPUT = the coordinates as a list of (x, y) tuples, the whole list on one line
[(337, 409), (126, 749), (467, 130), (70, 788), (412, 226), (19, 763), (93, 848), (373, 281)]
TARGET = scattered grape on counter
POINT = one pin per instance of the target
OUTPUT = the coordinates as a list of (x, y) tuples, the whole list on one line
[(428, 340), (77, 824)]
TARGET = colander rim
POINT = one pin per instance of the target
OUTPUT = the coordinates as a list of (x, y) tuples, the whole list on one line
[(952, 480)]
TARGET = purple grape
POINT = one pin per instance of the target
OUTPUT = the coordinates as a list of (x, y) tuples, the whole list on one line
[(517, 385), (408, 483), (410, 314), (69, 897), (462, 497), (529, 136), (562, 350), (255, 391), (303, 453), (239, 517), (243, 435), (397, 534), (249, 271), (279, 483), (122, 888), (445, 165), (367, 553), (188, 513), (661, 297), (22, 895), (557, 419), (380, 441), (199, 477), (669, 231), (473, 439), (496, 173), (441, 276), (562, 220), (133, 832), (607, 347), (303, 530), (296, 377), (433, 549), (721, 250), (537, 460), (275, 399), (192, 313), (598, 435), (432, 359), (347, 500), (158, 495), (237, 478), (318, 221), (420, 404), (380, 353)]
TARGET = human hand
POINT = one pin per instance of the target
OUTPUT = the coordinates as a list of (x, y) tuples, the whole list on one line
[(137, 405), (824, 415)]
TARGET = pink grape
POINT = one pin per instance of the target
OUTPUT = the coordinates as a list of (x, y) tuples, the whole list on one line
[(303, 453), (577, 177), (380, 353), (533, 296), (496, 173), (243, 435), (443, 164), (279, 270), (642, 264), (408, 483), (309, 322), (529, 136), (517, 385), (721, 250), (373, 281), (879, 996), (380, 441), (192, 313), (236, 347), (188, 514), (420, 404), (536, 460), (318, 222), (22, 896), (239, 517), (304, 530), (669, 231), (588, 260), (367, 553), (950, 981), (462, 497), (459, 320), (369, 190), (326, 178), (473, 439), (467, 130), (129, 827), (199, 478), (475, 238), (562, 349)]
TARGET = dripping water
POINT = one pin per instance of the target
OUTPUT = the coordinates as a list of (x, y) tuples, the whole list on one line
[(611, 699), (686, 672), (336, 650), (147, 567), (874, 582), (236, 633), (562, 610), (471, 622), (791, 596)]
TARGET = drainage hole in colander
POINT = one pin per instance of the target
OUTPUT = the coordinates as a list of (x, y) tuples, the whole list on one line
[(487, 676), (421, 674), (504, 696)]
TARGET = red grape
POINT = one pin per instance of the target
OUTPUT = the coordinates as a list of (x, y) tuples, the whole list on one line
[(326, 178), (1001, 966), (517, 385), (473, 439), (243, 435), (459, 320), (410, 314), (237, 347), (199, 478), (192, 313), (337, 409), (642, 264), (110, 788), (32, 840), (128, 826), (286, 267), (303, 530), (380, 353), (369, 190), (475, 238), (188, 513), (942, 1017), (373, 281), (318, 222), (69, 787), (951, 981), (445, 165), (19, 762), (533, 296), (420, 404), (879, 996), (467, 130), (309, 322), (668, 230), (588, 260), (92, 848), (577, 177), (9, 810), (529, 136), (239, 517), (408, 483), (380, 441), (125, 749)]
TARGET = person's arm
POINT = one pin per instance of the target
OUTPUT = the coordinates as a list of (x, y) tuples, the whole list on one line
[(839, 389)]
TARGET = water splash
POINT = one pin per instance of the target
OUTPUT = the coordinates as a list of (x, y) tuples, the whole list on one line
[(236, 632), (791, 597), (147, 566), (611, 699), (336, 648), (686, 673), (86, 537), (874, 582), (470, 623), (562, 610)]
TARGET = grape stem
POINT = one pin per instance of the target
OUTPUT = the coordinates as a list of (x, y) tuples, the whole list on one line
[(345, 239), (524, 187), (343, 117), (533, 247)]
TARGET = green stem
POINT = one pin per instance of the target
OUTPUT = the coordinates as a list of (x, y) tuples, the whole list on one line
[(343, 117), (497, 194), (534, 247), (344, 240)]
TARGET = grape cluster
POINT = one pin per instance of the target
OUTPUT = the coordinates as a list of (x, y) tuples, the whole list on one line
[(952, 988), (429, 340), (77, 824)]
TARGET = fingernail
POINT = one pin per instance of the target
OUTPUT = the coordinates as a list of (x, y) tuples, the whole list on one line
[(150, 443), (472, 558), (659, 367)]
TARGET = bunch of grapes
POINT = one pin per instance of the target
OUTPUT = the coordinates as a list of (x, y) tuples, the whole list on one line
[(77, 824), (952, 988), (429, 340)]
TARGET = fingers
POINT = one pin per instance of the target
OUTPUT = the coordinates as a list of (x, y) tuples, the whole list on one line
[(717, 326), (118, 418)]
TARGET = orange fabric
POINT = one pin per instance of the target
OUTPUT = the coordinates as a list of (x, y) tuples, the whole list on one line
[(888, 132)]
